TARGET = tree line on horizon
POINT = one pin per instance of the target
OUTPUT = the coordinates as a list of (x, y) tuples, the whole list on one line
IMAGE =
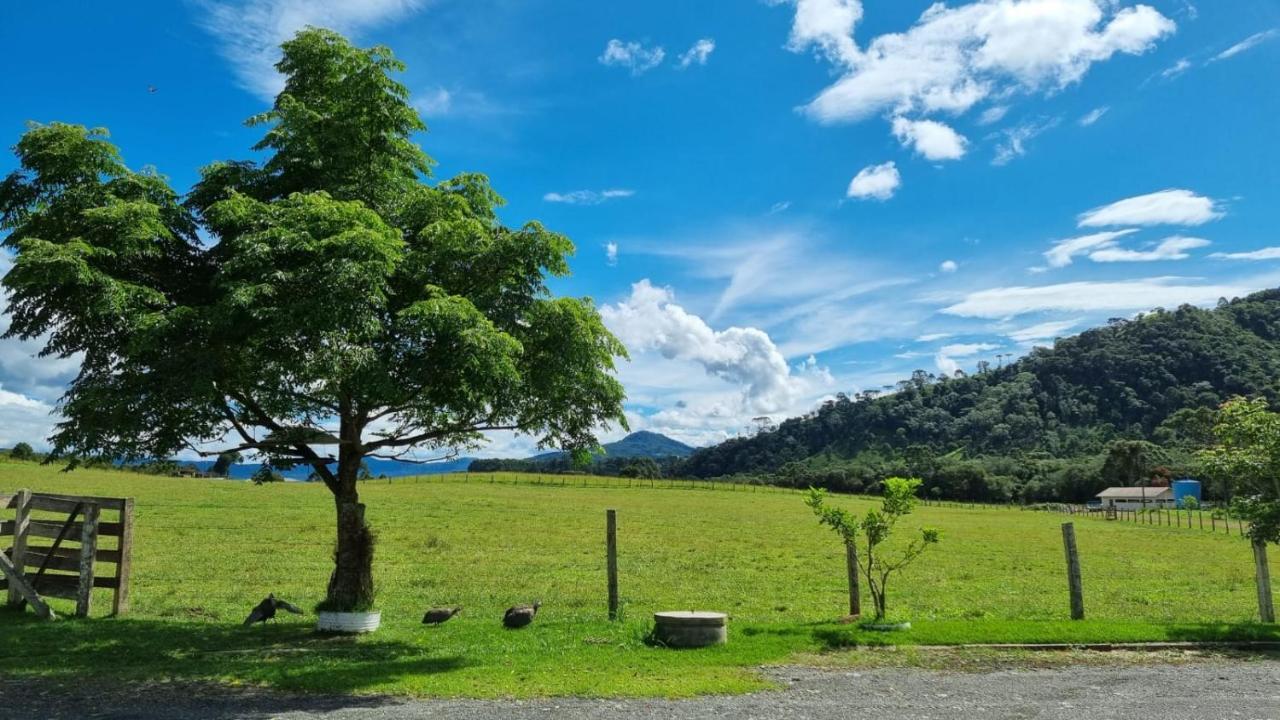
[(1126, 403)]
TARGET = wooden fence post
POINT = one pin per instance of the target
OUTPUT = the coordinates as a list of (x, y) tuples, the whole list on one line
[(21, 526), (1266, 606), (124, 567), (855, 591), (611, 549), (1073, 571), (88, 553)]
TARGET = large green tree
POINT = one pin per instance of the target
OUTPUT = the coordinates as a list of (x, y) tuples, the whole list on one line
[(341, 307), (1246, 459)]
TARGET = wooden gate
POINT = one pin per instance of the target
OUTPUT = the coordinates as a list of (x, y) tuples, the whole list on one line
[(45, 564)]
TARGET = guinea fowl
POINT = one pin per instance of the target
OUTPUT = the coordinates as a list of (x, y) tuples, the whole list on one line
[(435, 616), (266, 610), (520, 615)]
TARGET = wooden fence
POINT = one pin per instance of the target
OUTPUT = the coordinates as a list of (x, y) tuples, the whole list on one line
[(1207, 520), (42, 525)]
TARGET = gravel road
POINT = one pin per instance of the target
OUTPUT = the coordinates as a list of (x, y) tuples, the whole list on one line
[(1227, 690)]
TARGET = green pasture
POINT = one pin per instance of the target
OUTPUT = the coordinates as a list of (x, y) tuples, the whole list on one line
[(207, 550)]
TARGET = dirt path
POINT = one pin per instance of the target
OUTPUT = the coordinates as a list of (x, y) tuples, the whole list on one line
[(1218, 689)]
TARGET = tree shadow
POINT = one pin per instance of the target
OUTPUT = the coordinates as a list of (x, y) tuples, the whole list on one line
[(289, 656)]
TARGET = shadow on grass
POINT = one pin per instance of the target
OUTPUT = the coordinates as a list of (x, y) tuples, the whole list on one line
[(283, 656)]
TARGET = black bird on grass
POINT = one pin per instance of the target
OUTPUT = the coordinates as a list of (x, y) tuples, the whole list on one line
[(520, 615), (266, 610), (435, 616)]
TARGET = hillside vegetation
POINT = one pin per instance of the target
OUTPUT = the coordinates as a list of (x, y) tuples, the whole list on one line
[(206, 551), (1041, 428)]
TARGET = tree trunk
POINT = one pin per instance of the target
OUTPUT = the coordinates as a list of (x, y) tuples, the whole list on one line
[(351, 585)]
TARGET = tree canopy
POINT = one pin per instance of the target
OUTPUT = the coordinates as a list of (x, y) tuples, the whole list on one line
[(324, 305)]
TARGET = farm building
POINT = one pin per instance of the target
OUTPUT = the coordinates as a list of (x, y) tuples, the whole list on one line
[(1136, 498)]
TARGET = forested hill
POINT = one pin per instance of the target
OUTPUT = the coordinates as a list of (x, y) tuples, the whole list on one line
[(1151, 378)]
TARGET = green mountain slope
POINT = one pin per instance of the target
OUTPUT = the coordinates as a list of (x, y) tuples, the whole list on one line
[(1152, 378)]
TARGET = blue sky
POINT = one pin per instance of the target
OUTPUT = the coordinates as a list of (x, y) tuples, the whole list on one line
[(772, 201)]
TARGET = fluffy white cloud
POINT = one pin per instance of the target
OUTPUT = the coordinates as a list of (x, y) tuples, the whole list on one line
[(587, 197), (251, 31), (1042, 331), (24, 419), (1014, 140), (698, 54), (877, 182), (650, 320), (632, 55), (1171, 248), (1063, 251), (1248, 43), (932, 139), (1167, 207), (1130, 295), (1093, 116), (948, 266), (953, 58), (827, 25), (611, 253), (1266, 253)]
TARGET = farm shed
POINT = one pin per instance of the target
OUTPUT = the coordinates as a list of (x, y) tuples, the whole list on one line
[(1136, 498)]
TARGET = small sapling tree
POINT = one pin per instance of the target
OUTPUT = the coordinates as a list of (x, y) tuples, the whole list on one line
[(846, 526), (876, 561)]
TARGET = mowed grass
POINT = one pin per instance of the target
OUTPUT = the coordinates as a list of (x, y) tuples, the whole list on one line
[(207, 550)]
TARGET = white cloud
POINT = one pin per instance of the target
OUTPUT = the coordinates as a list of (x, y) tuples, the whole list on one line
[(948, 266), (1130, 295), (780, 206), (1167, 207), (1042, 331), (435, 102), (946, 365), (251, 31), (698, 54), (828, 25), (611, 253), (1248, 43), (878, 182), (1266, 253), (1175, 69), (24, 419), (945, 358), (966, 349), (933, 337), (1093, 116), (1063, 251), (1014, 144), (632, 55), (650, 320), (953, 58), (932, 139), (441, 101), (993, 115), (1171, 248), (587, 197)]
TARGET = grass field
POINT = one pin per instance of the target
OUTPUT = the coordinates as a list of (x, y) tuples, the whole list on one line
[(206, 551)]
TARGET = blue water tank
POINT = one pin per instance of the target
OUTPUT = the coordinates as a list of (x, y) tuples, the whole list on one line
[(1185, 488)]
